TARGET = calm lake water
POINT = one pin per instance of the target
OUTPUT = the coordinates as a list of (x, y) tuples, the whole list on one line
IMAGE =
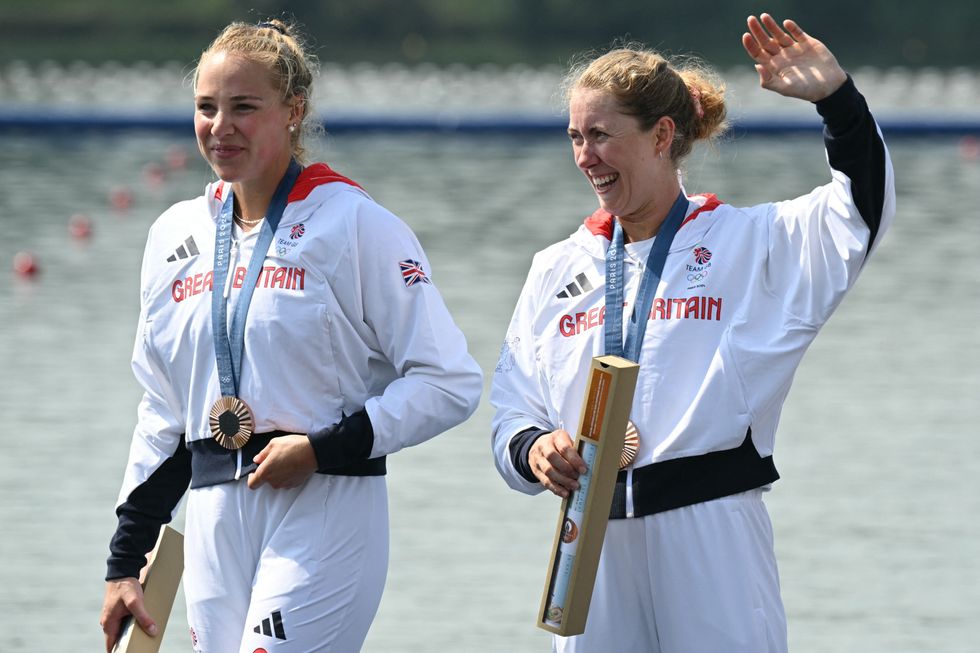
[(877, 516)]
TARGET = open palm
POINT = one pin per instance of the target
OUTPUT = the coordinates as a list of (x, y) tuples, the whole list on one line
[(789, 61)]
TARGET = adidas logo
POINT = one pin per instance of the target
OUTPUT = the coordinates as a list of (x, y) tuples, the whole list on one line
[(575, 289), (271, 626), (188, 249)]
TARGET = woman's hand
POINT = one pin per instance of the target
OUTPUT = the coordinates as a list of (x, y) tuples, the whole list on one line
[(123, 597), (556, 463), (790, 62), (287, 461)]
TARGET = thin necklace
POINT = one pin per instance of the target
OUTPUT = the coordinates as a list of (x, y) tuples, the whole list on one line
[(247, 223)]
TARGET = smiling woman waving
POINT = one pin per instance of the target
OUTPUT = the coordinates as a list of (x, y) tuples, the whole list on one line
[(718, 305)]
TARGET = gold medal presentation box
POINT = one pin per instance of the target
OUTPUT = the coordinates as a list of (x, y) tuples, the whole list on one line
[(584, 514), (159, 590)]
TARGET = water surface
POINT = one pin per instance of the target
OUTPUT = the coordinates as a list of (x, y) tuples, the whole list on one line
[(876, 516)]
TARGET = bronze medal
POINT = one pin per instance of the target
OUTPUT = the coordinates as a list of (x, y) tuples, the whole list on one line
[(631, 444), (231, 422)]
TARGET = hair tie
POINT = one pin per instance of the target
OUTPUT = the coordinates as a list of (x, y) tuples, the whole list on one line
[(696, 98), (269, 25)]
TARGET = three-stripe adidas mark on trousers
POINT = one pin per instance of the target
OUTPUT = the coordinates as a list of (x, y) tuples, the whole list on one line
[(575, 289)]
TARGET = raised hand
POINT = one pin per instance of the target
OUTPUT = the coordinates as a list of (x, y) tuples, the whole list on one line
[(791, 62)]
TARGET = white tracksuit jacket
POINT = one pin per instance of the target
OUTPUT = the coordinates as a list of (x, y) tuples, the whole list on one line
[(344, 323), (743, 294)]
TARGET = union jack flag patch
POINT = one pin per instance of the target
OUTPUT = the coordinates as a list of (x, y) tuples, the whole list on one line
[(412, 272)]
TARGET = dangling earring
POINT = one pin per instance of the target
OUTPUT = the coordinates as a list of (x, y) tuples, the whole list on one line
[(661, 155)]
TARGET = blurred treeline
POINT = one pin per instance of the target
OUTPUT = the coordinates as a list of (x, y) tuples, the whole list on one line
[(886, 33)]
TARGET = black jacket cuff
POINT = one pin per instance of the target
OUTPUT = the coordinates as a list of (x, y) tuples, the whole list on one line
[(140, 517), (349, 441), (520, 448)]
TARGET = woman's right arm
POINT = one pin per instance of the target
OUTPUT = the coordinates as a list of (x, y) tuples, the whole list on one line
[(157, 475), (529, 452)]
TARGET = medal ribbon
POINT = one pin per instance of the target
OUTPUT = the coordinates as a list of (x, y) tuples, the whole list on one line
[(228, 348), (648, 285)]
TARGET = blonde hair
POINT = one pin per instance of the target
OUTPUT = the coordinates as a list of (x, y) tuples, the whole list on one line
[(648, 86), (281, 49)]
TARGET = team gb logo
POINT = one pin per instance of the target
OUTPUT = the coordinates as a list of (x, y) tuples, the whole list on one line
[(697, 274), (702, 255)]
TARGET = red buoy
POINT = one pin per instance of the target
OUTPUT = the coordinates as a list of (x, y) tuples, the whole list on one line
[(970, 148), (25, 265), (154, 175), (121, 199), (80, 226), (177, 158)]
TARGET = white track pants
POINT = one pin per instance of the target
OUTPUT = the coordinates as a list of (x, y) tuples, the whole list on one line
[(699, 579), (285, 571)]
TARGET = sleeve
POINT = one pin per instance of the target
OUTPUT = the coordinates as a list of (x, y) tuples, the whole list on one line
[(519, 393), (818, 243), (438, 384), (158, 471)]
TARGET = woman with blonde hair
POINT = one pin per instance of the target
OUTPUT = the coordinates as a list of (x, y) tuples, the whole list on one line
[(290, 337), (717, 304)]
